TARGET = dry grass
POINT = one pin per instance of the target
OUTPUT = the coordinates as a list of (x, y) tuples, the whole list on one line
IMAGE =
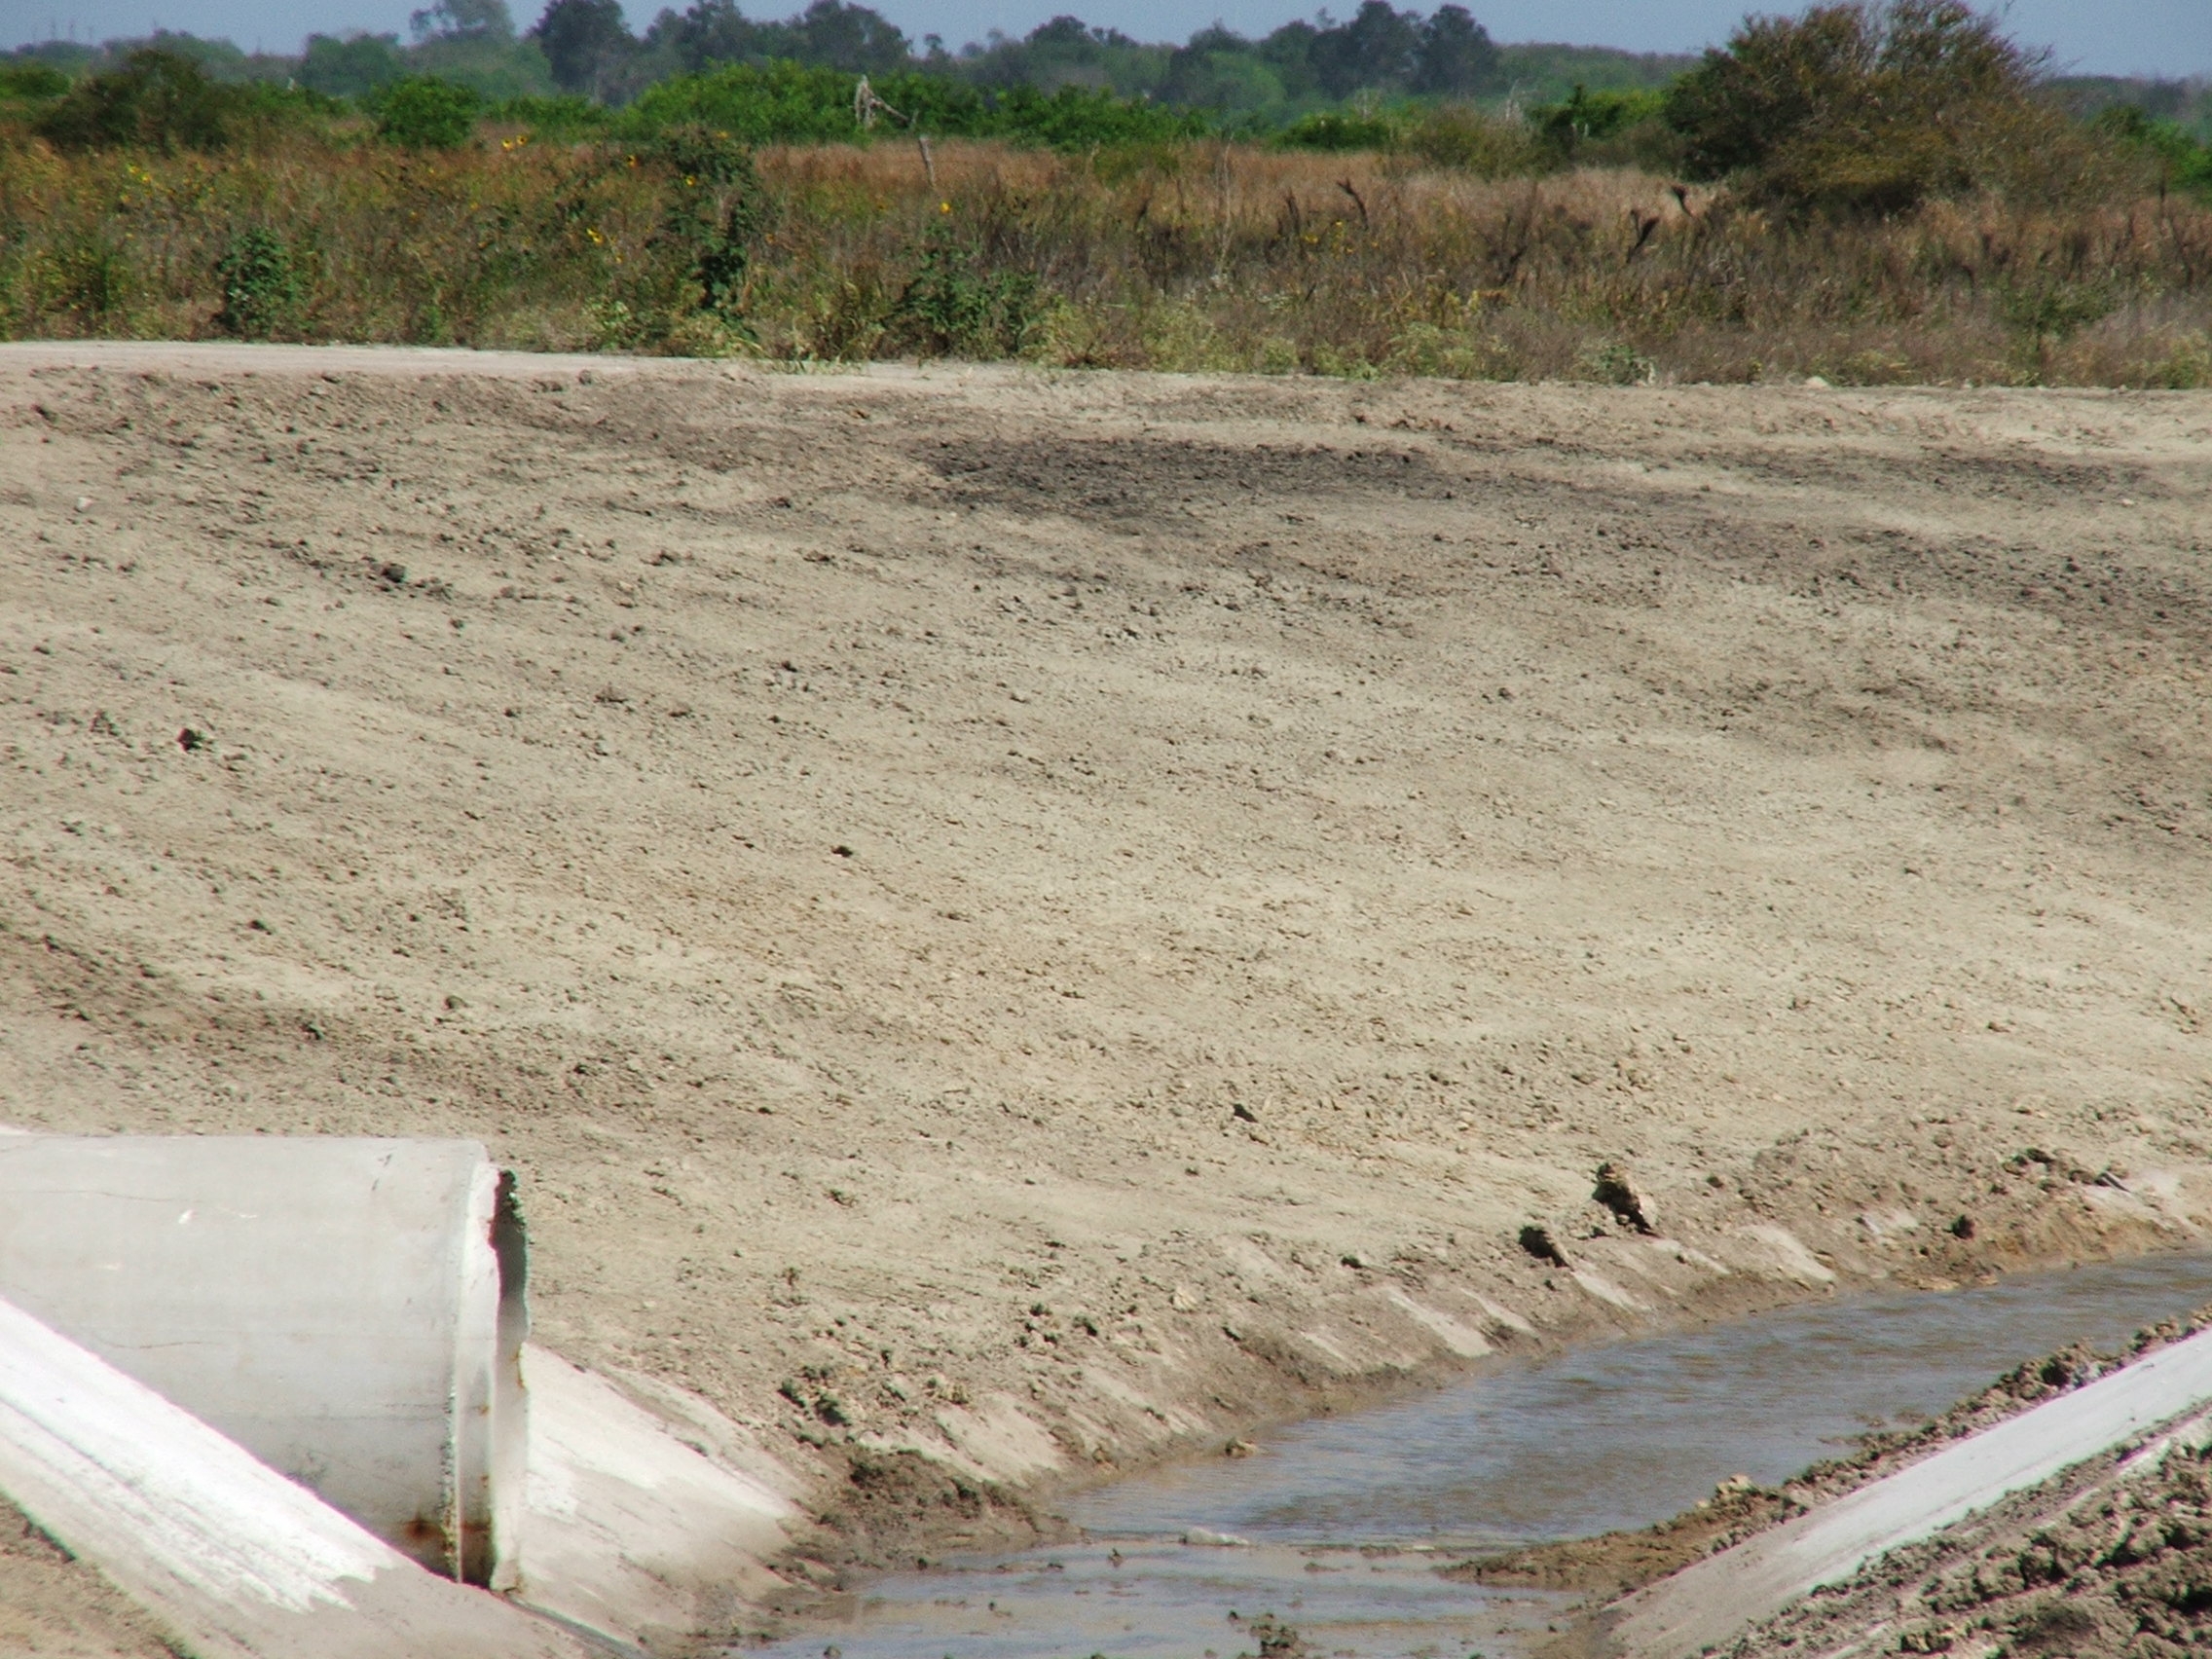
[(1198, 256)]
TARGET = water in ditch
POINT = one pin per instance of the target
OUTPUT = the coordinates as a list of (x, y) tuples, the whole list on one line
[(1341, 1517)]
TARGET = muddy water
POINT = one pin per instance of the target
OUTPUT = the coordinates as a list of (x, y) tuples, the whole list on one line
[(1341, 1517)]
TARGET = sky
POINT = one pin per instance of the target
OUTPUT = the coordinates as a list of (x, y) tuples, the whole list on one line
[(2117, 37)]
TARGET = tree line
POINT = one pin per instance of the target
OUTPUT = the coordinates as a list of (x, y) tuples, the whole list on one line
[(585, 48)]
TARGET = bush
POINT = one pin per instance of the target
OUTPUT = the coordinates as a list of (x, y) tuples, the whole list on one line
[(1334, 129), (355, 67), (28, 81), (91, 276), (563, 119), (159, 99), (1588, 120), (1489, 146), (719, 210), (2183, 162), (959, 305), (1077, 118), (426, 113), (794, 103), (260, 285), (778, 103), (1444, 135), (1864, 108)]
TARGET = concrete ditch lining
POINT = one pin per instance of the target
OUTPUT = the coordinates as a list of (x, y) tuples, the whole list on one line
[(235, 1560), (1708, 1603)]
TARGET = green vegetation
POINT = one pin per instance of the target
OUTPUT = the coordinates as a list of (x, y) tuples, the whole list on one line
[(1854, 110), (2183, 157), (260, 285), (584, 48), (423, 112), (790, 103), (1868, 192)]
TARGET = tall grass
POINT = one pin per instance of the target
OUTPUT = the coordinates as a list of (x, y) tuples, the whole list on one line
[(1186, 255)]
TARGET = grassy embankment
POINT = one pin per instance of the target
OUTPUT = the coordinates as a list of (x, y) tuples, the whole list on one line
[(1919, 214)]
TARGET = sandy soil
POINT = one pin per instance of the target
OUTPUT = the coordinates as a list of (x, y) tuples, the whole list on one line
[(52, 1607), (1018, 925)]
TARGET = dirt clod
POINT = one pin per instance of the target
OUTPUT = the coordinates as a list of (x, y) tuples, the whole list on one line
[(1619, 1192)]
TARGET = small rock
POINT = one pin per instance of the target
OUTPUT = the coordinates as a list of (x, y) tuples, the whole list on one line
[(191, 741), (1238, 1449)]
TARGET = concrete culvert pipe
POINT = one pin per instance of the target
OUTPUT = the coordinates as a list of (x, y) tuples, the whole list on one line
[(350, 1311)]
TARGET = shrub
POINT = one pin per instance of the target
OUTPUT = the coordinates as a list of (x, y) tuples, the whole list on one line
[(353, 67), (1581, 127), (1078, 118), (2183, 162), (1455, 135), (959, 306), (92, 277), (260, 285), (1334, 129), (161, 100), (718, 211), (1863, 108), (563, 119), (786, 103), (1444, 135), (426, 113), (794, 103), (28, 81)]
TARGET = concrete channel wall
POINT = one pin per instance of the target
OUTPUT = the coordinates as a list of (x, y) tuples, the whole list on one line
[(1710, 1603), (350, 1311)]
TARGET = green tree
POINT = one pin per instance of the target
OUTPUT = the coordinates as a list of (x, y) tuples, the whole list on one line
[(160, 99), (1863, 107), (587, 44), (1455, 58), (352, 67), (463, 19), (1377, 50)]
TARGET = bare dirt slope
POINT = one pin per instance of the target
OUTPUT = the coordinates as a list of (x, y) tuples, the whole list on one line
[(1038, 920)]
